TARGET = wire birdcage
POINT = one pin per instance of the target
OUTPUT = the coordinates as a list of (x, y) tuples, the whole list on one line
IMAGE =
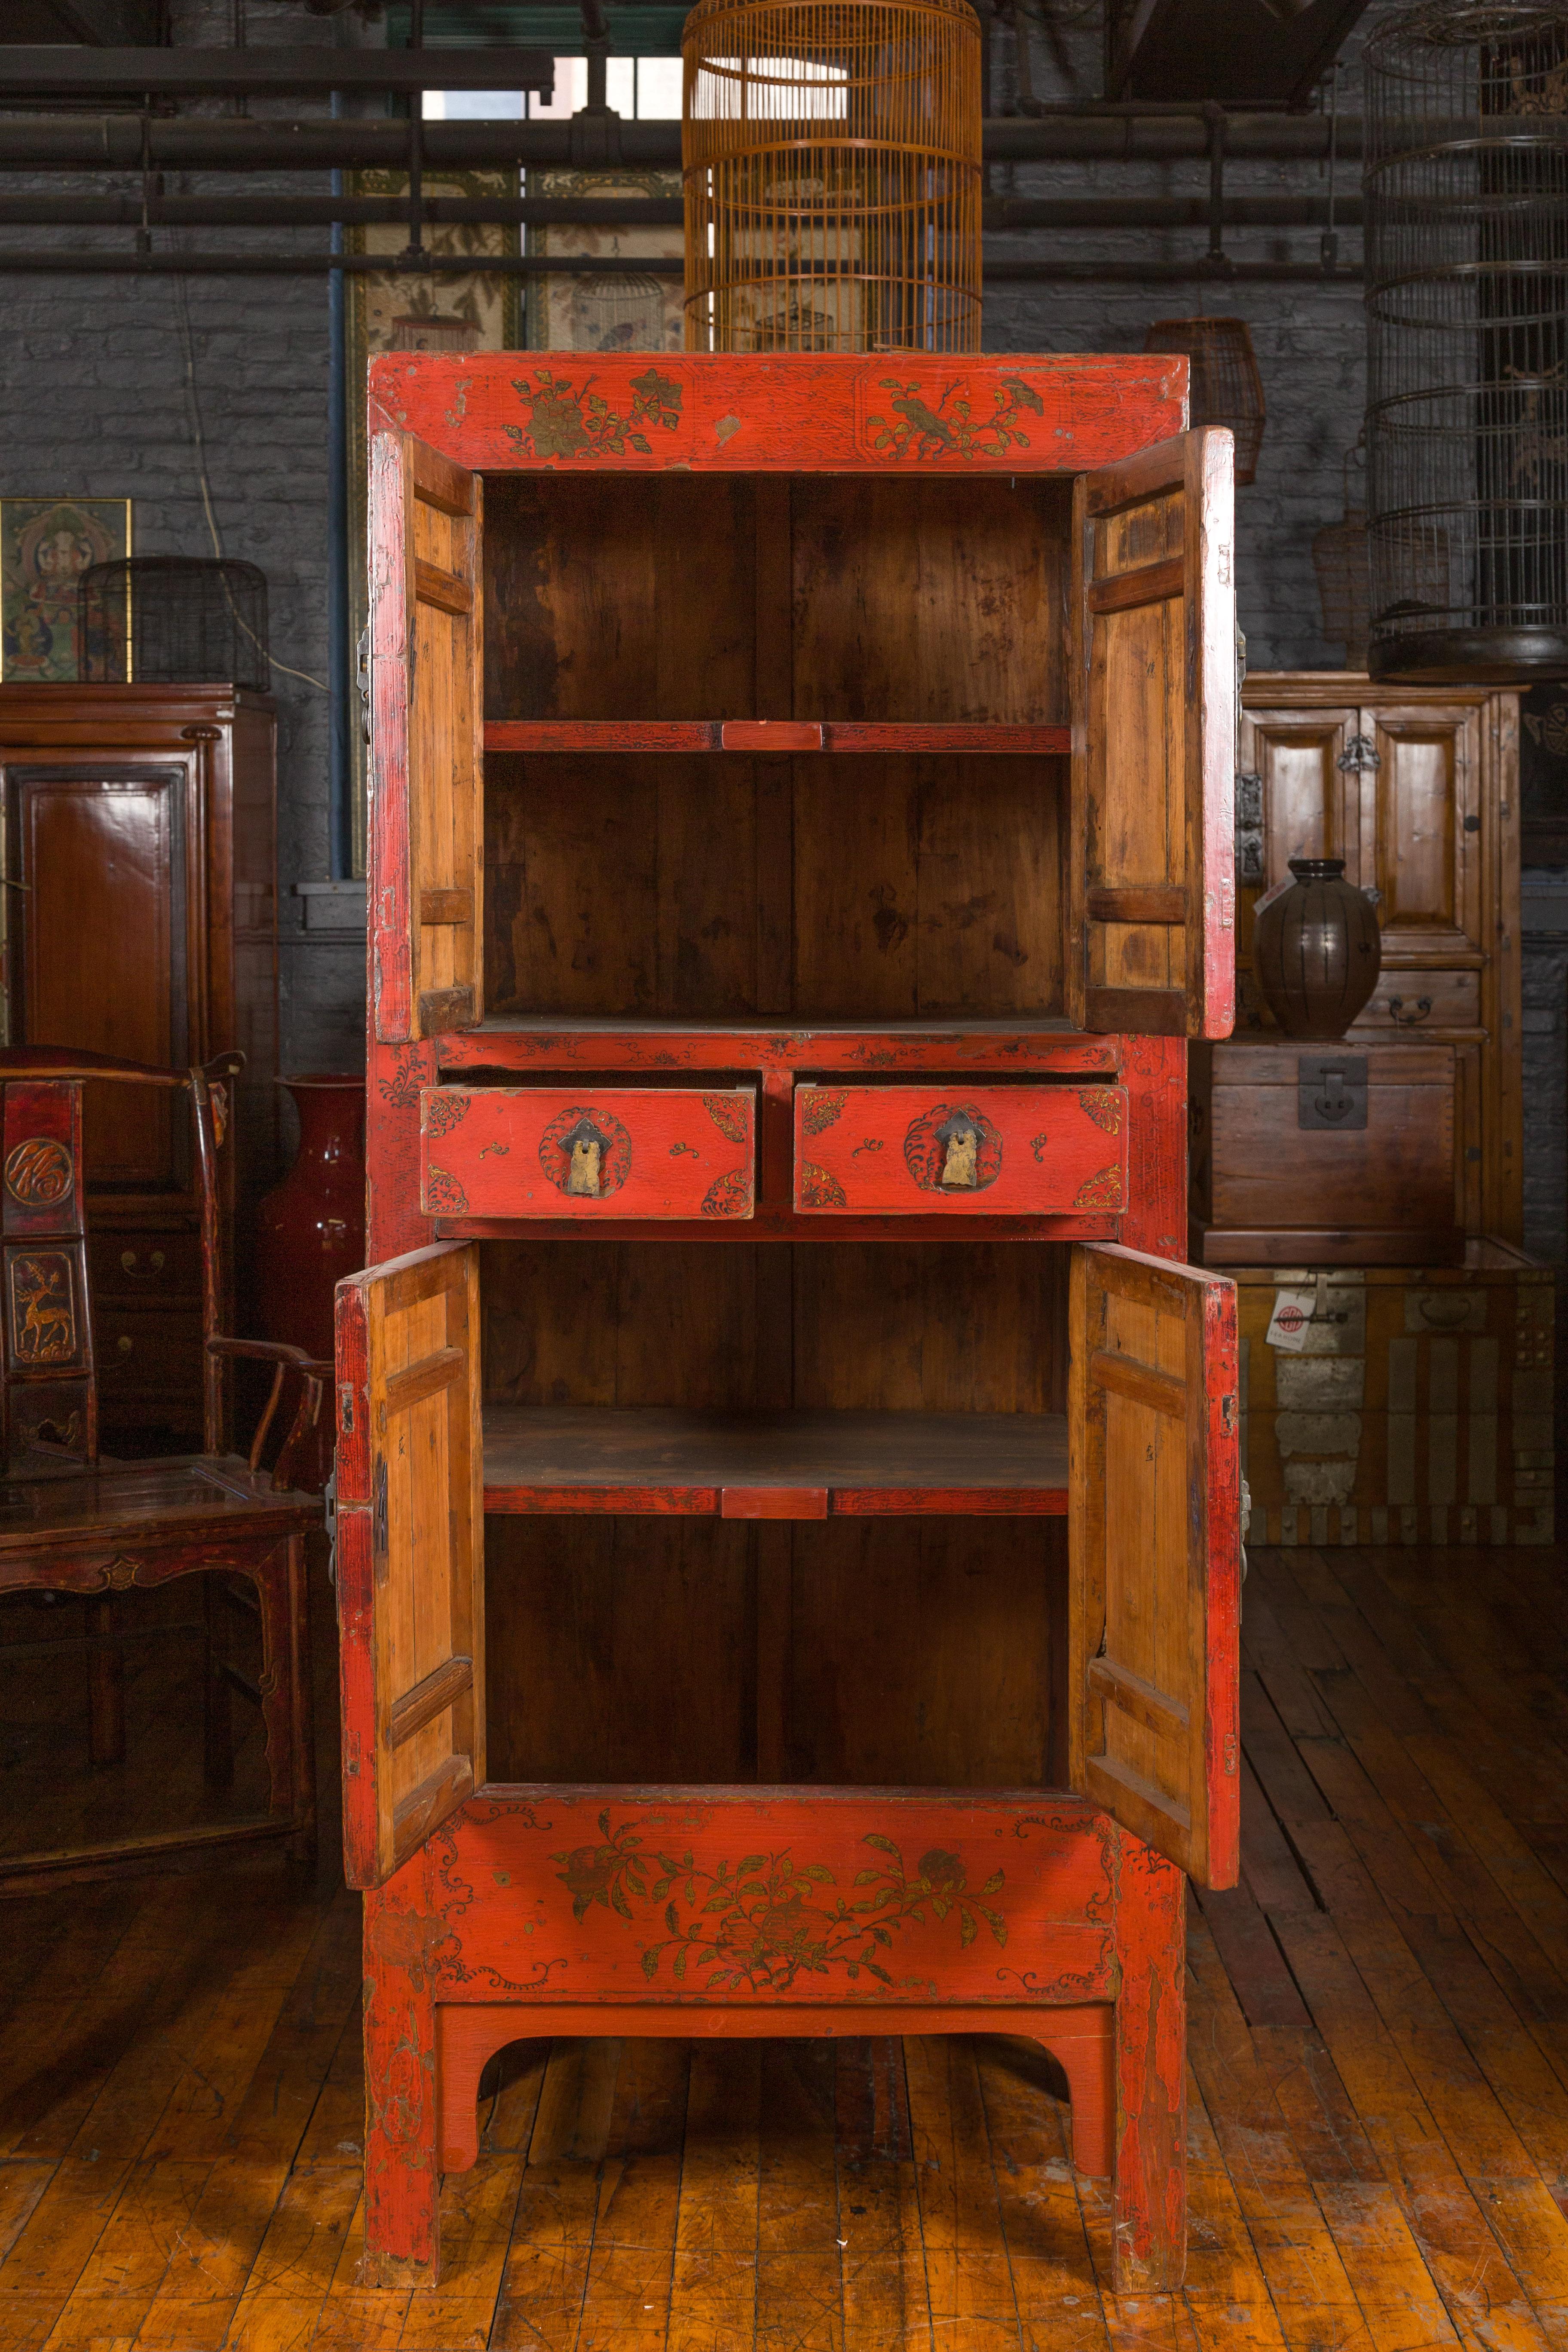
[(1224, 386), (174, 620), (832, 168), (1466, 242)]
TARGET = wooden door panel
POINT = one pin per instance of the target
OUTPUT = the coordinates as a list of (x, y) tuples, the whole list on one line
[(410, 1552), (1151, 915), (1427, 784), (1154, 1548), (427, 630), (100, 854)]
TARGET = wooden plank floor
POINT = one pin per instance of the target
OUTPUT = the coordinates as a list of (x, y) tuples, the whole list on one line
[(1379, 2055)]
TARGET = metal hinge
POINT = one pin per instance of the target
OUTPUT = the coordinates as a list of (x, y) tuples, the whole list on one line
[(1359, 753), (378, 1519), (329, 1516), (361, 678)]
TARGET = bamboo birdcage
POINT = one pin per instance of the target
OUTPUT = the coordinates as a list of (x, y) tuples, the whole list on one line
[(831, 159), (1224, 386), (1467, 263)]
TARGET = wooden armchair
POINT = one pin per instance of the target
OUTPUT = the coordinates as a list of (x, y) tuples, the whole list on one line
[(73, 1524)]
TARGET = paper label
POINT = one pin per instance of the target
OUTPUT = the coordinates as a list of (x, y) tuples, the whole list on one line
[(1289, 1323)]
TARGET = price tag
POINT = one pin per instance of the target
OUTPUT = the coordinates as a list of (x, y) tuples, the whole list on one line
[(1287, 1324)]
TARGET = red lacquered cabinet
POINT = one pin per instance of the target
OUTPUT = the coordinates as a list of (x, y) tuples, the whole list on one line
[(788, 1551)]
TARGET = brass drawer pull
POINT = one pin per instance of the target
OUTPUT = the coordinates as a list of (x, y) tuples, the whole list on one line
[(130, 1264), (1404, 1020)]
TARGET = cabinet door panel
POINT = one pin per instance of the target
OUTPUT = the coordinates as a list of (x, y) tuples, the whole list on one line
[(410, 1552), (426, 636), (1293, 800), (99, 852), (1151, 918), (1428, 784), (1155, 1548)]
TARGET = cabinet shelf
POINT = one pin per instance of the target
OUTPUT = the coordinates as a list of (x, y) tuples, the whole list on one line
[(775, 737), (546, 1460)]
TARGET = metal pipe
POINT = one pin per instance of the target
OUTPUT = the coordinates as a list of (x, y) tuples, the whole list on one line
[(1000, 213), (74, 262), (275, 71), (185, 143)]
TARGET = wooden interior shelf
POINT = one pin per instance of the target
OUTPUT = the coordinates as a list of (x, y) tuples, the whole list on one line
[(775, 736), (540, 1460)]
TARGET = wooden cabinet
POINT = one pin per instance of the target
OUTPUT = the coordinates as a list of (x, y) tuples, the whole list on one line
[(787, 1560), (141, 922), (1417, 789)]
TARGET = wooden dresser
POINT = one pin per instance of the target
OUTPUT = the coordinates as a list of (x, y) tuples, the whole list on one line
[(1417, 789), (787, 1554), (141, 921)]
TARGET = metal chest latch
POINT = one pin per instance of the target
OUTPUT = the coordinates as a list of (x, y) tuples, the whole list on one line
[(1359, 754), (1331, 1090)]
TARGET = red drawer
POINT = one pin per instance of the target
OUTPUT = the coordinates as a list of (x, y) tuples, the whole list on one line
[(958, 1151), (617, 1151)]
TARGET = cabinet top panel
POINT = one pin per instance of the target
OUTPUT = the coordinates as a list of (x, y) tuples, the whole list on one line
[(788, 413)]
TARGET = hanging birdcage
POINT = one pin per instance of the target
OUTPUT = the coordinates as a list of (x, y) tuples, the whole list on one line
[(174, 620), (1466, 242), (1224, 386), (831, 154)]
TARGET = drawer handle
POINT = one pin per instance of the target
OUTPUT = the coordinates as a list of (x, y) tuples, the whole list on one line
[(124, 1345), (129, 1261), (1404, 1020)]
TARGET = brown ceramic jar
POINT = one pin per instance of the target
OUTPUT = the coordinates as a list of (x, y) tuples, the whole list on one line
[(1317, 950)]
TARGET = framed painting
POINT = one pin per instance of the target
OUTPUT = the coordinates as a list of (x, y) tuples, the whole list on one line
[(629, 308), (46, 545)]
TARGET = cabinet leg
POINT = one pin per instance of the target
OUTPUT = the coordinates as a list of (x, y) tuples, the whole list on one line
[(217, 1719), (105, 1689), (1150, 2244), (402, 2183)]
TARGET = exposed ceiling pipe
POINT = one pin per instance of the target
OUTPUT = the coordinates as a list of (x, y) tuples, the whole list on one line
[(68, 261), (999, 213), (134, 143)]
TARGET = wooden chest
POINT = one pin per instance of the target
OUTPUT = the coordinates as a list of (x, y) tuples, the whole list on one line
[(1399, 1406), (1324, 1155), (801, 850)]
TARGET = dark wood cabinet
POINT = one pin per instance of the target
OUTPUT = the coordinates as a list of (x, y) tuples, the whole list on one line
[(1416, 788), (787, 1557), (141, 922)]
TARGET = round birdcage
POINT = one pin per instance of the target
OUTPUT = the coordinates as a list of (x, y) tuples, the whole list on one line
[(831, 159), (174, 620), (1224, 386), (1467, 240)]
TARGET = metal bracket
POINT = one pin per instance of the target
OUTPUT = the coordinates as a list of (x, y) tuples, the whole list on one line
[(1331, 1090), (330, 1511)]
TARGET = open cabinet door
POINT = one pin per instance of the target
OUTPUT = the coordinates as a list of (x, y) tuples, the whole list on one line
[(1152, 912), (1154, 1545), (410, 1552), (426, 741)]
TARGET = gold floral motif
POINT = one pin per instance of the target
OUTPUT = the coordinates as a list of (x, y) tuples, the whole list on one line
[(1101, 1191), (949, 430), (729, 1196), (1103, 1104), (443, 1111), (567, 420), (819, 1190), (761, 1922), (727, 1114), (820, 1110)]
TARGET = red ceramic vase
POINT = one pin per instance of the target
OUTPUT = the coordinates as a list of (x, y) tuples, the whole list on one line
[(310, 1230)]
